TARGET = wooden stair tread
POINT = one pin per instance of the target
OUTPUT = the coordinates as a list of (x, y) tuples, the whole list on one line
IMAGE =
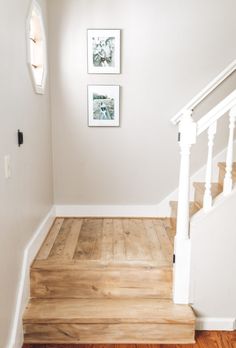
[(223, 165), (193, 207), (112, 311), (216, 188)]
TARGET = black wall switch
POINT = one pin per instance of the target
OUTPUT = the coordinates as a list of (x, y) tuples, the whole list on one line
[(20, 137)]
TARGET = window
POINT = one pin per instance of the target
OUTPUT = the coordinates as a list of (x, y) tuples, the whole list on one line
[(36, 45)]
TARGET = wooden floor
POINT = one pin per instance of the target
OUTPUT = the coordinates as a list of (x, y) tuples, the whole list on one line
[(204, 339), (101, 241), (100, 280)]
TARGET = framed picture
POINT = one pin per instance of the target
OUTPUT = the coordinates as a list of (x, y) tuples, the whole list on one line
[(103, 51), (103, 106)]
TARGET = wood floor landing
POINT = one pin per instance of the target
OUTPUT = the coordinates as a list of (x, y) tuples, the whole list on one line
[(100, 280), (96, 242)]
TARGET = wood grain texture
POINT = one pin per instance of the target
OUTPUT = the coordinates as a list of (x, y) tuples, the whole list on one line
[(102, 283), (204, 339), (112, 311), (108, 333), (49, 242), (106, 280), (106, 258), (105, 241)]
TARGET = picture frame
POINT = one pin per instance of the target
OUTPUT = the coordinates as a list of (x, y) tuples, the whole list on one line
[(103, 106), (103, 51)]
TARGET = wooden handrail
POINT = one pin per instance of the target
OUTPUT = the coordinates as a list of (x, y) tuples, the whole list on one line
[(205, 91)]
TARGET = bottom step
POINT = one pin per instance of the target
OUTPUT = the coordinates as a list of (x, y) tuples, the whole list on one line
[(108, 321)]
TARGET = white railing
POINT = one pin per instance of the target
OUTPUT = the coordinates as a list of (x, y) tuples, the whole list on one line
[(188, 134), (205, 92)]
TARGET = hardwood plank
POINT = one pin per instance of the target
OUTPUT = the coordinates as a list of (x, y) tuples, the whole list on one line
[(166, 245), (59, 244), (105, 283), (107, 240), (136, 242), (112, 311), (72, 239), (154, 243), (119, 241), (89, 242), (55, 264), (109, 333), (50, 239)]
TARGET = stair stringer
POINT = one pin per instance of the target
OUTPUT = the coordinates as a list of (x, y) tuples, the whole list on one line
[(213, 264)]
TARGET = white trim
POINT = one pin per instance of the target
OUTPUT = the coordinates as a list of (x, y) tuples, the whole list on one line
[(205, 91), (215, 324), (214, 114), (30, 251), (107, 210)]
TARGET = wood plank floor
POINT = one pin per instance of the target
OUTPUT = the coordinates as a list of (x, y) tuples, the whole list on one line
[(101, 241), (204, 339)]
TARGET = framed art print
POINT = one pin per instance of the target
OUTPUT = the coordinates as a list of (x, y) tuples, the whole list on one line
[(103, 106), (103, 51)]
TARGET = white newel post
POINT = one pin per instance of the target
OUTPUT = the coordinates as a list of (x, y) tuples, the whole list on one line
[(228, 183), (187, 131), (207, 201)]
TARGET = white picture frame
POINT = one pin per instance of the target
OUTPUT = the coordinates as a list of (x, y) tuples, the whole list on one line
[(103, 51), (103, 106)]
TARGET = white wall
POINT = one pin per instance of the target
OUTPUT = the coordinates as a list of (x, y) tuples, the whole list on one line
[(26, 198), (170, 50), (213, 268)]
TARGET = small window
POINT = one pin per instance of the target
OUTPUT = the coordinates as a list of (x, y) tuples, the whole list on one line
[(36, 44)]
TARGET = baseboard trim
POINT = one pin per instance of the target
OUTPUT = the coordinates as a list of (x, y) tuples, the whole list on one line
[(30, 251), (215, 324), (106, 210)]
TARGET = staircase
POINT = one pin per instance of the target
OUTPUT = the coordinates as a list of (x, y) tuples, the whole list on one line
[(110, 280), (197, 204), (106, 281)]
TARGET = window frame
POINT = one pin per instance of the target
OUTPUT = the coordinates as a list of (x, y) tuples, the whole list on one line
[(34, 6)]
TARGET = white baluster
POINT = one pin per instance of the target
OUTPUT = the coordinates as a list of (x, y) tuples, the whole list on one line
[(228, 183), (207, 201), (187, 130)]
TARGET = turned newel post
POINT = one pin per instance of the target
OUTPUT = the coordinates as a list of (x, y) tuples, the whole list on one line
[(187, 132), (182, 246), (228, 182)]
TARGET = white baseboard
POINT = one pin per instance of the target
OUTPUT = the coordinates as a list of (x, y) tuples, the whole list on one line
[(215, 324), (30, 251), (106, 210)]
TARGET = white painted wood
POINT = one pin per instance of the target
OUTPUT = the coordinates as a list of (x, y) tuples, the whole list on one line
[(30, 251), (215, 324), (181, 271), (182, 247), (228, 182), (107, 210), (205, 91), (207, 200), (187, 130), (215, 113)]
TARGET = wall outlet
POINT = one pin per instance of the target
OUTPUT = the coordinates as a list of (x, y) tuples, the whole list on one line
[(7, 166)]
